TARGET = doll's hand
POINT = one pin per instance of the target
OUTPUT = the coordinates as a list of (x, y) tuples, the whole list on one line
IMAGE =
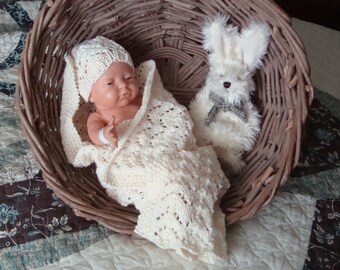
[(110, 132)]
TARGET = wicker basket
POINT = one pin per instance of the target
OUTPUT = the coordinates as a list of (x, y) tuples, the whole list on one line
[(168, 31)]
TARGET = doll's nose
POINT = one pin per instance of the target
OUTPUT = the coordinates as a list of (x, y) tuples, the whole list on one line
[(122, 85), (124, 90), (226, 85)]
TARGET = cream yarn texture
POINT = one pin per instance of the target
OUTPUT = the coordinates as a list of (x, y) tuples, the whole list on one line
[(157, 167)]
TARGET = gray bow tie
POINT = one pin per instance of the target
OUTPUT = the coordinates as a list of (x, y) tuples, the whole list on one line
[(220, 104)]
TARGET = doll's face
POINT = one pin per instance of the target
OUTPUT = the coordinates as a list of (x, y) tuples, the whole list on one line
[(116, 88)]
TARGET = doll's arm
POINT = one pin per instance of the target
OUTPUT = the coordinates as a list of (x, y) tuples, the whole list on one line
[(99, 133)]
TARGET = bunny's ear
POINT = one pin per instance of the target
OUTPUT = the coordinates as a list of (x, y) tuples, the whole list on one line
[(214, 31), (254, 41)]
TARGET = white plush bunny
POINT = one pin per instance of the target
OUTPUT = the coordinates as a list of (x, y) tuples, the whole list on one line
[(222, 110)]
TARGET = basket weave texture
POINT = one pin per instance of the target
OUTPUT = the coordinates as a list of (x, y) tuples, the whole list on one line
[(168, 31)]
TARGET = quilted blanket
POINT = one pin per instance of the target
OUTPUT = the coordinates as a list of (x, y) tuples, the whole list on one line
[(299, 229)]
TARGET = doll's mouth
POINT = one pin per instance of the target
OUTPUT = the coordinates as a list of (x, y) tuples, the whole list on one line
[(125, 96)]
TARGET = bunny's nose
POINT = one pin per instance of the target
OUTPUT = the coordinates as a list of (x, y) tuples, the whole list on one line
[(226, 84)]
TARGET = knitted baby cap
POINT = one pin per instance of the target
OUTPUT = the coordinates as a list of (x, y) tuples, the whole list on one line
[(92, 58)]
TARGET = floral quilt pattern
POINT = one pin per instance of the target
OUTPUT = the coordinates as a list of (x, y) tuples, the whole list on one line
[(30, 211), (324, 247), (321, 144)]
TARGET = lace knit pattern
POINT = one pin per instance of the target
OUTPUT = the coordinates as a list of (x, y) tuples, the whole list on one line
[(158, 167)]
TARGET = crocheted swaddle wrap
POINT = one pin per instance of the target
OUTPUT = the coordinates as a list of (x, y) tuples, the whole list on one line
[(157, 167)]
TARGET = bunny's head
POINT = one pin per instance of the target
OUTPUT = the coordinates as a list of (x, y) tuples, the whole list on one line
[(234, 56)]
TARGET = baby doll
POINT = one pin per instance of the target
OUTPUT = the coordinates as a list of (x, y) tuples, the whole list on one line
[(156, 165), (116, 98)]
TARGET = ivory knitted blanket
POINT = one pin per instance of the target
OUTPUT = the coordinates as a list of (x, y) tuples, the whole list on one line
[(158, 167)]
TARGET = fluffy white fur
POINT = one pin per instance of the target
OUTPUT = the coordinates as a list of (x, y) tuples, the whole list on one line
[(233, 57)]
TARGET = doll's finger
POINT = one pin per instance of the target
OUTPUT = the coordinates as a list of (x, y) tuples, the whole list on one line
[(112, 121), (108, 132), (109, 129), (114, 140)]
